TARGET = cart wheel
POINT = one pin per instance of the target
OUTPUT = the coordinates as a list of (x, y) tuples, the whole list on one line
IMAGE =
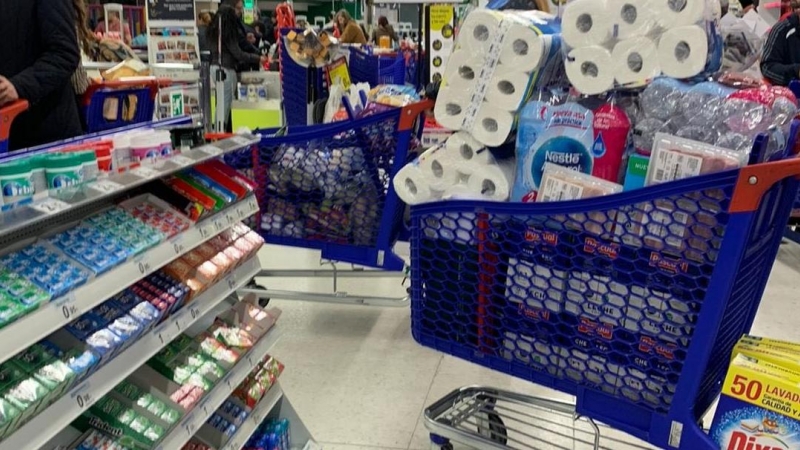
[(493, 427), (262, 302)]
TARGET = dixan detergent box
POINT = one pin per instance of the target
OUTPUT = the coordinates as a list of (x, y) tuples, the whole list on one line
[(759, 408)]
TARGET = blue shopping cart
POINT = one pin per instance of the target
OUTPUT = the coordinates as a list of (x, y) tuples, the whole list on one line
[(366, 67), (631, 302)]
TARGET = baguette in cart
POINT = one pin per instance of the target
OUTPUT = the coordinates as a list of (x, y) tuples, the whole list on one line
[(587, 297)]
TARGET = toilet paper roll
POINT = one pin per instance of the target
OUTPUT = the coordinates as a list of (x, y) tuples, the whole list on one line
[(677, 13), (439, 167), (451, 107), (508, 90), (590, 69), (635, 61), (462, 71), (461, 192), (469, 151), (493, 182), (587, 22), (479, 30), (492, 125), (523, 49), (412, 186), (632, 18), (683, 51)]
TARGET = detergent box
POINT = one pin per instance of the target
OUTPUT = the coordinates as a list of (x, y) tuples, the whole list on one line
[(759, 407)]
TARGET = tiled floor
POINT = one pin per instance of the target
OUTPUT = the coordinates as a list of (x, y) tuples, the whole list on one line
[(359, 380)]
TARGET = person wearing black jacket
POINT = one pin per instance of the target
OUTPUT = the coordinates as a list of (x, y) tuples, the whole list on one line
[(781, 61), (38, 56)]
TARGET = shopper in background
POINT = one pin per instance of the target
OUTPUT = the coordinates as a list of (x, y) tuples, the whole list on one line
[(748, 5), (270, 28), (351, 31), (781, 61), (87, 43), (384, 29), (115, 25), (223, 38), (203, 21), (38, 56)]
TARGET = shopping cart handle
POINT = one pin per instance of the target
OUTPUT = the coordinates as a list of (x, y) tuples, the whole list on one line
[(410, 113), (7, 115), (757, 179)]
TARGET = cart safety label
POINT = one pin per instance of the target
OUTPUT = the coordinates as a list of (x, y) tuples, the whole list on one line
[(675, 433), (593, 246)]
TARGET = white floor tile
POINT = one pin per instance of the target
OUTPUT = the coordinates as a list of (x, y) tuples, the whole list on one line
[(333, 446)]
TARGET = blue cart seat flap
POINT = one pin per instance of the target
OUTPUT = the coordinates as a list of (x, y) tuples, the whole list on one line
[(631, 302)]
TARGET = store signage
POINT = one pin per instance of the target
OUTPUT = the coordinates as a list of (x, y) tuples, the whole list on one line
[(439, 36), (171, 10)]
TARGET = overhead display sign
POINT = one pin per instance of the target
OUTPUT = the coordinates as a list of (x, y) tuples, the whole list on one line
[(170, 10)]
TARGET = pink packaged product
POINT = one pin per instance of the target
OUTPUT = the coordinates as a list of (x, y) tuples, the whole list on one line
[(677, 158), (158, 214)]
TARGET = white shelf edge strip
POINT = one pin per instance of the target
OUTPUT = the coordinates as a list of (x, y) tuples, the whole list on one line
[(116, 183), (192, 422), (260, 412), (28, 330), (57, 416)]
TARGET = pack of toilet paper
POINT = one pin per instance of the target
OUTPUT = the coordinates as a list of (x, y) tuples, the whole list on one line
[(500, 58), (626, 43)]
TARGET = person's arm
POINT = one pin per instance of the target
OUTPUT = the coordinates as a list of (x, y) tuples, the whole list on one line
[(774, 62), (350, 33), (60, 56), (127, 36), (231, 42), (393, 34)]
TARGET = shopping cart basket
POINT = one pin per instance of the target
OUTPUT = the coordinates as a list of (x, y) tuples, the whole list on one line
[(366, 67), (115, 104), (631, 302), (7, 115)]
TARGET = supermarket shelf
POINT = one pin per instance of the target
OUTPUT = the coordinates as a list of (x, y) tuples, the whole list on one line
[(260, 412), (37, 325), (58, 416), (69, 200), (187, 427)]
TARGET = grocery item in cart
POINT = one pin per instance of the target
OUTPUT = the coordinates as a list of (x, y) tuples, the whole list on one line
[(499, 58), (676, 158), (569, 135)]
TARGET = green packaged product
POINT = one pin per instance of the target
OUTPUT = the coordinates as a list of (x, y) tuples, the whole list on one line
[(155, 432), (196, 360), (140, 424), (128, 390), (198, 380), (33, 358), (56, 376), (10, 373), (165, 356), (211, 370), (9, 418), (109, 406), (181, 343), (127, 416), (182, 374), (171, 416), (145, 400), (10, 310), (27, 396), (157, 408)]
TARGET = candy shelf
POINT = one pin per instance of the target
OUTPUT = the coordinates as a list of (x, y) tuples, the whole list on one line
[(57, 416), (23, 217), (195, 419), (35, 326), (260, 412)]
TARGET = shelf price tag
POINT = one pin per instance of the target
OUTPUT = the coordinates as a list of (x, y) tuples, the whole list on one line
[(231, 280), (182, 160), (177, 244), (67, 306), (51, 206), (219, 224), (146, 172), (106, 186), (230, 218), (253, 205), (194, 313), (143, 265), (189, 425), (83, 398)]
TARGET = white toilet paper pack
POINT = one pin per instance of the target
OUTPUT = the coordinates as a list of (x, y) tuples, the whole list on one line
[(499, 60), (627, 43)]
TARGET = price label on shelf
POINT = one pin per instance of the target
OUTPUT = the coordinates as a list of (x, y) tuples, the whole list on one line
[(219, 224), (212, 150), (177, 244), (51, 206), (143, 265), (230, 218), (231, 281), (253, 205), (83, 396), (146, 172), (207, 230), (106, 186), (68, 306), (189, 425), (182, 160)]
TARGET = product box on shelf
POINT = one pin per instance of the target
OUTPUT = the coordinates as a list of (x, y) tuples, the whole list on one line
[(758, 407), (192, 209), (155, 402), (185, 394), (247, 316), (157, 213), (130, 428)]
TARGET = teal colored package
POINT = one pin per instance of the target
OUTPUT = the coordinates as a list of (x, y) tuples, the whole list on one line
[(569, 135)]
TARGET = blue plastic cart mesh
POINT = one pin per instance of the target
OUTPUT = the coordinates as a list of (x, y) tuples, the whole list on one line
[(328, 187), (375, 69), (295, 85), (117, 104), (631, 302)]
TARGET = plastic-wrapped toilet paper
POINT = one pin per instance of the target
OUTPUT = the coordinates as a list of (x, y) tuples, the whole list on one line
[(632, 18), (493, 182), (479, 30), (676, 13), (439, 167), (587, 22), (508, 90), (412, 186), (460, 192), (683, 52), (471, 152), (525, 48), (463, 68), (451, 110), (590, 69), (493, 125), (635, 61)]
